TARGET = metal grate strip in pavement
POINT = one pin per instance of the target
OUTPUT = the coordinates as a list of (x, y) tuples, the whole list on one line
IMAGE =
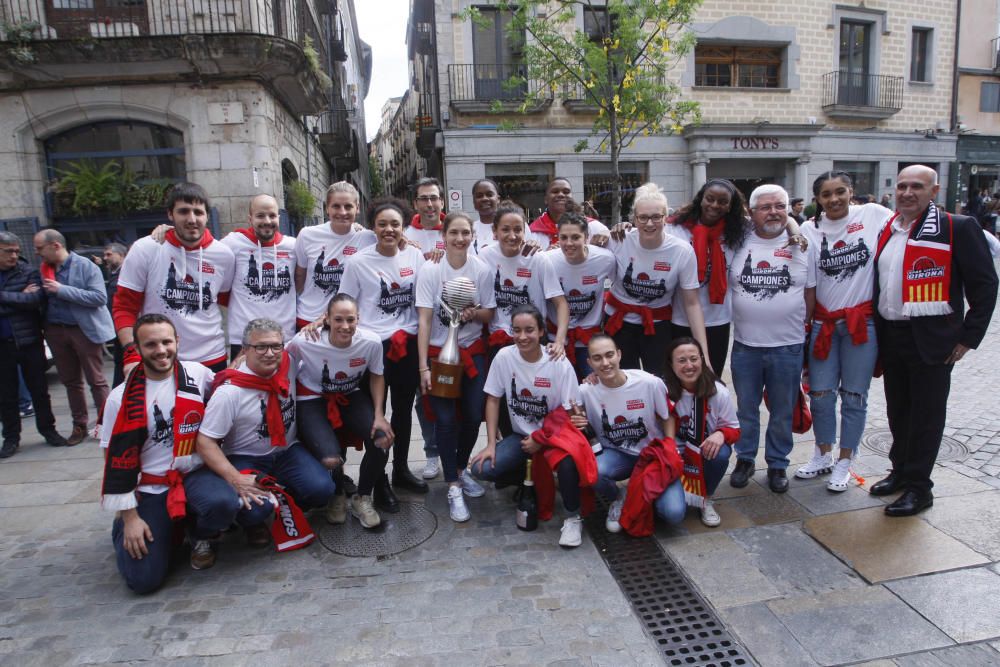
[(677, 619)]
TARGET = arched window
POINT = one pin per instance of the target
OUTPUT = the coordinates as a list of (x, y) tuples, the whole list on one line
[(146, 153), (124, 169)]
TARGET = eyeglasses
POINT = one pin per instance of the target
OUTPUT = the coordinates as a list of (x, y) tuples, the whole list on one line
[(11, 251), (276, 348), (771, 207), (658, 217), (426, 199)]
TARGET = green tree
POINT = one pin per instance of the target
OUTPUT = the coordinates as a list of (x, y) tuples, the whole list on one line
[(375, 177), (618, 64)]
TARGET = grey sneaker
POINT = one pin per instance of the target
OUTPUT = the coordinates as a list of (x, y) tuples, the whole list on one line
[(614, 515), (336, 509), (363, 510), (470, 487), (431, 468)]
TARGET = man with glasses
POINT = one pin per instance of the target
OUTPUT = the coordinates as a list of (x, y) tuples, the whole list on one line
[(21, 299), (249, 424), (77, 325), (425, 227), (773, 288)]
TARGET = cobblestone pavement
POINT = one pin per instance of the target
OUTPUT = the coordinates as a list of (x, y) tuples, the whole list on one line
[(802, 579)]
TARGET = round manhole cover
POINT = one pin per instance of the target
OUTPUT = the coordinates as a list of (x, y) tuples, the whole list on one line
[(880, 442), (412, 525)]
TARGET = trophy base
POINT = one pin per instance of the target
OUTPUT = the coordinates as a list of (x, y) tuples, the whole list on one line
[(446, 379)]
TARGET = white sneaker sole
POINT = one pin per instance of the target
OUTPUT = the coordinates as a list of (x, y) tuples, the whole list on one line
[(836, 488), (474, 493), (612, 526), (811, 474)]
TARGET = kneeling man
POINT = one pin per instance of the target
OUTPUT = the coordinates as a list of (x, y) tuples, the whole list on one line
[(250, 425), (149, 428)]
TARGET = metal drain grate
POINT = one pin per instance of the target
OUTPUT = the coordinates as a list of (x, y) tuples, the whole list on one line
[(412, 525), (879, 441), (681, 624)]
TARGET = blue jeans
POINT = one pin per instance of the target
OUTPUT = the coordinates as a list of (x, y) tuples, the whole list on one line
[(509, 464), (146, 574), (779, 371), (614, 465), (215, 504), (455, 439), (847, 370), (426, 430)]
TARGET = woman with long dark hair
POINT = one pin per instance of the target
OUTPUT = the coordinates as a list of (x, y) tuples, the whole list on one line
[(455, 435), (706, 417), (842, 347), (714, 222)]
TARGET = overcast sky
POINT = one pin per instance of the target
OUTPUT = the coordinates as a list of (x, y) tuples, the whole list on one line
[(382, 24)]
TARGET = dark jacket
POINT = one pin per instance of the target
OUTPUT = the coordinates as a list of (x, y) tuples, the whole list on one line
[(24, 311), (973, 278)]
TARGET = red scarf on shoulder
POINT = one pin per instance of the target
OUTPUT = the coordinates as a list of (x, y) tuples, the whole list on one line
[(276, 387), (544, 224), (415, 223), (926, 264), (711, 258), (252, 235)]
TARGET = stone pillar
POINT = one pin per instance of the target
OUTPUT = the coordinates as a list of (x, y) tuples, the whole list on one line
[(802, 179), (699, 172)]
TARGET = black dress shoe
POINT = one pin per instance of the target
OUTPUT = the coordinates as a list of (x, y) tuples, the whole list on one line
[(54, 439), (910, 503), (385, 499), (403, 478), (741, 474), (887, 486), (9, 448), (777, 480)]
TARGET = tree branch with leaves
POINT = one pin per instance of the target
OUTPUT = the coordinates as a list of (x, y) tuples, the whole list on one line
[(619, 65)]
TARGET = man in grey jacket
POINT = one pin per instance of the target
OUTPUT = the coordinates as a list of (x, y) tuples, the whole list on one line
[(77, 324)]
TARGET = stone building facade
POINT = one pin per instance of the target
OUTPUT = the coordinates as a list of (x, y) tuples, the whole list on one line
[(785, 93), (242, 98)]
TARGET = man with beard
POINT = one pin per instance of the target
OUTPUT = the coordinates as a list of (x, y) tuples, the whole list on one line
[(927, 264), (249, 425), (149, 428), (265, 265), (188, 277), (773, 287)]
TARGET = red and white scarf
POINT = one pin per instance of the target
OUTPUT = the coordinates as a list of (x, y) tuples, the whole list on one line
[(123, 463), (290, 528), (711, 259), (926, 264)]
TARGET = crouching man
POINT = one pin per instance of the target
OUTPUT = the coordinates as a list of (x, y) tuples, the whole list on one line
[(250, 425), (149, 429)]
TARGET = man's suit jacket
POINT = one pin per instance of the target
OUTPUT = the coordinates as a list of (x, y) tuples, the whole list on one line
[(973, 278)]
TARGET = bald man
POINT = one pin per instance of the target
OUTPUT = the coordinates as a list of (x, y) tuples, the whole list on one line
[(928, 262), (77, 324), (263, 285)]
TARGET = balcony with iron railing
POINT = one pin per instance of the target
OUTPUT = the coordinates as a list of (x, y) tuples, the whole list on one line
[(861, 95), (481, 88), (287, 44)]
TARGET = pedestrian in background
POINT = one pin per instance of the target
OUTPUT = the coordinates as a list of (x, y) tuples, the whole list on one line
[(77, 325), (21, 300), (114, 256)]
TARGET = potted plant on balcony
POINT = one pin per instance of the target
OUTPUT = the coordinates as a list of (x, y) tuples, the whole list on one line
[(300, 202), (86, 189)]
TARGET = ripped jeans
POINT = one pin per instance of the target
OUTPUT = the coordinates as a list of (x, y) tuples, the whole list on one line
[(848, 372)]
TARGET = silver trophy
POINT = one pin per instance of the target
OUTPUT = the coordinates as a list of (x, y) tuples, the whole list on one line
[(457, 294)]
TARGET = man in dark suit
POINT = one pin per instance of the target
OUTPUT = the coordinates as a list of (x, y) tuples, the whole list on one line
[(928, 263)]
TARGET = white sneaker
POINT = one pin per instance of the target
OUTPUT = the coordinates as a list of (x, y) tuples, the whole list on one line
[(431, 468), (571, 534), (614, 515), (820, 464), (709, 516), (456, 505), (470, 486), (840, 477)]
